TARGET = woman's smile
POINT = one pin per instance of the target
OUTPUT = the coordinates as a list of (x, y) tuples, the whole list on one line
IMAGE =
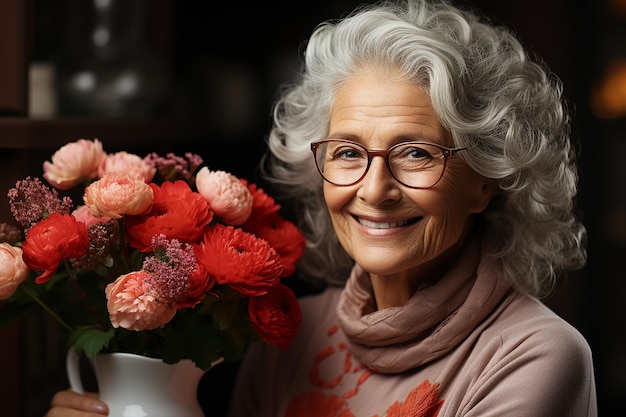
[(380, 224)]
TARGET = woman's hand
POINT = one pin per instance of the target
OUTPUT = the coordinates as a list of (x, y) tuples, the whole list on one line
[(71, 404)]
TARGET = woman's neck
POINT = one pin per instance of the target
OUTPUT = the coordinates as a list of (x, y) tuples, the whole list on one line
[(394, 290)]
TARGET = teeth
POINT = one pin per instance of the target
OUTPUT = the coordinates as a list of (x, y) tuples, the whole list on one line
[(386, 225)]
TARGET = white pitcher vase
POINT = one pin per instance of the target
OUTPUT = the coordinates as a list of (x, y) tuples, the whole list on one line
[(138, 386)]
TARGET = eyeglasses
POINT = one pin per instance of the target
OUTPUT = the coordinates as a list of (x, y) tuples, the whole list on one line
[(413, 164)]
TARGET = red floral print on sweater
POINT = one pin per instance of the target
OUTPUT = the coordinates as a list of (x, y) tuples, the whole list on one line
[(422, 401)]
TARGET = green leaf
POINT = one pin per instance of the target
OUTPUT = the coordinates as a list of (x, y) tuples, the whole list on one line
[(92, 341)]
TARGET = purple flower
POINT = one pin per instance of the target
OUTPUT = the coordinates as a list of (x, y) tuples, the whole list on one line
[(170, 267), (31, 201), (10, 234), (104, 237), (173, 167)]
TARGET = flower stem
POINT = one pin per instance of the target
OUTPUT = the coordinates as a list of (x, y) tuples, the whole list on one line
[(83, 296), (48, 310), (125, 255)]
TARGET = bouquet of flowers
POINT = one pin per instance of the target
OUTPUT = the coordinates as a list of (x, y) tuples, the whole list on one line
[(189, 266)]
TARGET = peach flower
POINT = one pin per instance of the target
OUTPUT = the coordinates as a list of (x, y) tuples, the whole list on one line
[(230, 200), (74, 163), (13, 270), (127, 163), (133, 306), (115, 195)]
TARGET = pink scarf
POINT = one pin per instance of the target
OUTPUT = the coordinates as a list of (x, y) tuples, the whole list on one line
[(434, 321)]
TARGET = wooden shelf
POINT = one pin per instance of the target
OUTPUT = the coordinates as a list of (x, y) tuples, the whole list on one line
[(25, 133)]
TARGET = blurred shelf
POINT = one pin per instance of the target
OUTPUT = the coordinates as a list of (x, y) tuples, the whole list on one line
[(25, 133)]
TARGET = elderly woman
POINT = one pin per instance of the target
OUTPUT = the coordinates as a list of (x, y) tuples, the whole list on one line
[(430, 160)]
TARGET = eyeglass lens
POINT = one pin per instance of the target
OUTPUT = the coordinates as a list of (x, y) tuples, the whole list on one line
[(414, 164)]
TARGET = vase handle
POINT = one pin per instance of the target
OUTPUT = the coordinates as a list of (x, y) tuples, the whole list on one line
[(72, 364)]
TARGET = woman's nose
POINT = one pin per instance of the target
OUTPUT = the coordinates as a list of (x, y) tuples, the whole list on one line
[(378, 185)]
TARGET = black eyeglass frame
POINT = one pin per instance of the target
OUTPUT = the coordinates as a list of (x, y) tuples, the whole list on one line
[(445, 154)]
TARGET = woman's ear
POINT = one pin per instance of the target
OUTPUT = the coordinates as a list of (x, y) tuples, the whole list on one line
[(483, 196)]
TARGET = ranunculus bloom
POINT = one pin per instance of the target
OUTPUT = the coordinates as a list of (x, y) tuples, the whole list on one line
[(13, 270), (128, 164), (115, 195), (276, 316), (228, 197), (239, 259), (84, 214), (177, 212), (58, 237), (74, 163), (133, 306), (200, 283)]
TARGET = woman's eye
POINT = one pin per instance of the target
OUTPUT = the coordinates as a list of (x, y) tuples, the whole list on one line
[(416, 153), (347, 153)]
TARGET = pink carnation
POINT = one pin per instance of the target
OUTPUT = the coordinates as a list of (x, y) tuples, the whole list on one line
[(133, 306), (127, 163), (115, 195), (230, 200), (74, 163), (13, 270)]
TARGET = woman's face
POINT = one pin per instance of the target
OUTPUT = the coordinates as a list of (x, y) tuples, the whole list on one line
[(386, 227)]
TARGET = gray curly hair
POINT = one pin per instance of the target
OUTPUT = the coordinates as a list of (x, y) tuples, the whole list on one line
[(493, 97)]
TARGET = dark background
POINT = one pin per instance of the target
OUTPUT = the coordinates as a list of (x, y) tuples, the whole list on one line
[(225, 61)]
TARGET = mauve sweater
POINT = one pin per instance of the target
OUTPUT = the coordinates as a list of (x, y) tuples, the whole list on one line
[(467, 346)]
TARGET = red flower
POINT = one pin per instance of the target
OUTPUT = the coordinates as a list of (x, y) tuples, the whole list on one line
[(276, 316), (241, 260), (263, 205), (200, 283), (268, 224), (177, 212), (283, 235), (58, 237)]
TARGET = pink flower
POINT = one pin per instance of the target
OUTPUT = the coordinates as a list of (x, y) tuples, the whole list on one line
[(84, 214), (127, 163), (13, 270), (74, 163), (115, 195), (230, 200), (133, 306)]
